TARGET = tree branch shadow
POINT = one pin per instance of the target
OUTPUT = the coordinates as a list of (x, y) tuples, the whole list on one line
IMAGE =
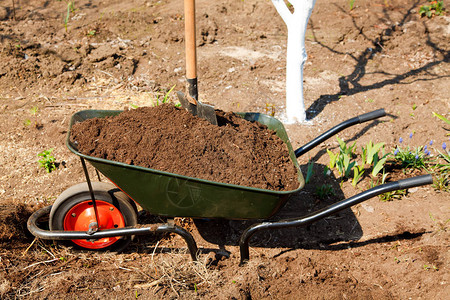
[(351, 84)]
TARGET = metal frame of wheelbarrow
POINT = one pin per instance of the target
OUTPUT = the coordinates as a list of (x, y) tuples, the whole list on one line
[(249, 232)]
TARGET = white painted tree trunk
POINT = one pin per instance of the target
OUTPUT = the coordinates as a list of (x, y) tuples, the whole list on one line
[(296, 23)]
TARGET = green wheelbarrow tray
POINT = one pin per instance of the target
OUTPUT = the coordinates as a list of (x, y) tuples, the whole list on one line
[(172, 195)]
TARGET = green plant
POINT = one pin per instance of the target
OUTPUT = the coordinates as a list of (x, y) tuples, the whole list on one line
[(388, 196), (435, 8), (351, 4), (165, 98), (345, 163), (414, 158), (47, 160), (358, 172), (441, 171), (34, 110), (344, 157), (70, 9), (92, 32), (309, 171), (441, 117), (324, 191)]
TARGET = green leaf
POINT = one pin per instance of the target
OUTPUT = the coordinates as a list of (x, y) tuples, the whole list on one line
[(378, 166), (333, 157), (357, 174), (442, 118), (309, 171)]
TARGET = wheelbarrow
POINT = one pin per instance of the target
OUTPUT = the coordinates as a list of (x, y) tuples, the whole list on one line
[(103, 216)]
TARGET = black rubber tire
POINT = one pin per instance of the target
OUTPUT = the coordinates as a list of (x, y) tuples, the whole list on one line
[(102, 191)]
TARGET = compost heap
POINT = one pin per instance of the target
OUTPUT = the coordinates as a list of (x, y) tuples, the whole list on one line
[(170, 139)]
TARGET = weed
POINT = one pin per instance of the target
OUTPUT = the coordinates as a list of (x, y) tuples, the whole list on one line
[(441, 117), (435, 8), (47, 160), (92, 32), (165, 98), (351, 4), (34, 110), (394, 195), (441, 171), (427, 267), (388, 196), (324, 191), (70, 9)]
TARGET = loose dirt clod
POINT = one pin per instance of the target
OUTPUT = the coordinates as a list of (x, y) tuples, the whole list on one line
[(170, 139)]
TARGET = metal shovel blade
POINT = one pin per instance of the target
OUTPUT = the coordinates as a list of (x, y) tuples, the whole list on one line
[(201, 110)]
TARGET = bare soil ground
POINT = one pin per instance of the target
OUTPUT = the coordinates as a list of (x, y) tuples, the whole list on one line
[(118, 54)]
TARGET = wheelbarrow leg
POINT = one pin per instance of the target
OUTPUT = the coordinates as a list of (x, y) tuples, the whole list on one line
[(327, 211), (188, 238)]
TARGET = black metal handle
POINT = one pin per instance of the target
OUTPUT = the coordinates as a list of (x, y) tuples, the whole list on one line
[(415, 181), (338, 128), (124, 231), (371, 115), (329, 210)]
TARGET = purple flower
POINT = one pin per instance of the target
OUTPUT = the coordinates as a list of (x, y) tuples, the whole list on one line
[(396, 152), (400, 140), (431, 142), (410, 135), (444, 146), (425, 148), (427, 152), (416, 157)]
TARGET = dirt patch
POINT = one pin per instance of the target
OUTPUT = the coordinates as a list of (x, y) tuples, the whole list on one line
[(236, 151)]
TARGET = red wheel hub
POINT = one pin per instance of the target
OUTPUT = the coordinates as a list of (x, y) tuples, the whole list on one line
[(80, 216)]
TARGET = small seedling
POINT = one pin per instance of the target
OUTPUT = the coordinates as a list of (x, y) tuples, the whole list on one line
[(324, 191), (34, 110), (91, 32), (47, 160), (309, 172), (165, 98), (441, 117), (70, 9), (428, 267), (351, 4), (358, 172)]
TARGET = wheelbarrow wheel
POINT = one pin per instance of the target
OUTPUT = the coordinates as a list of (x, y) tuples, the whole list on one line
[(73, 210)]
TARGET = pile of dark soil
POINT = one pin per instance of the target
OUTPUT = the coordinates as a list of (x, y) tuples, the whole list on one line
[(170, 139)]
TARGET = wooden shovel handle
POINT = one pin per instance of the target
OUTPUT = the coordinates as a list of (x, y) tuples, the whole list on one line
[(190, 39)]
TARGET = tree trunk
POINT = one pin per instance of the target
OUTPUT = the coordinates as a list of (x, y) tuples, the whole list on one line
[(296, 23)]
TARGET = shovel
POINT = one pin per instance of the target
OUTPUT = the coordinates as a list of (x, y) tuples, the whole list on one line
[(197, 108)]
